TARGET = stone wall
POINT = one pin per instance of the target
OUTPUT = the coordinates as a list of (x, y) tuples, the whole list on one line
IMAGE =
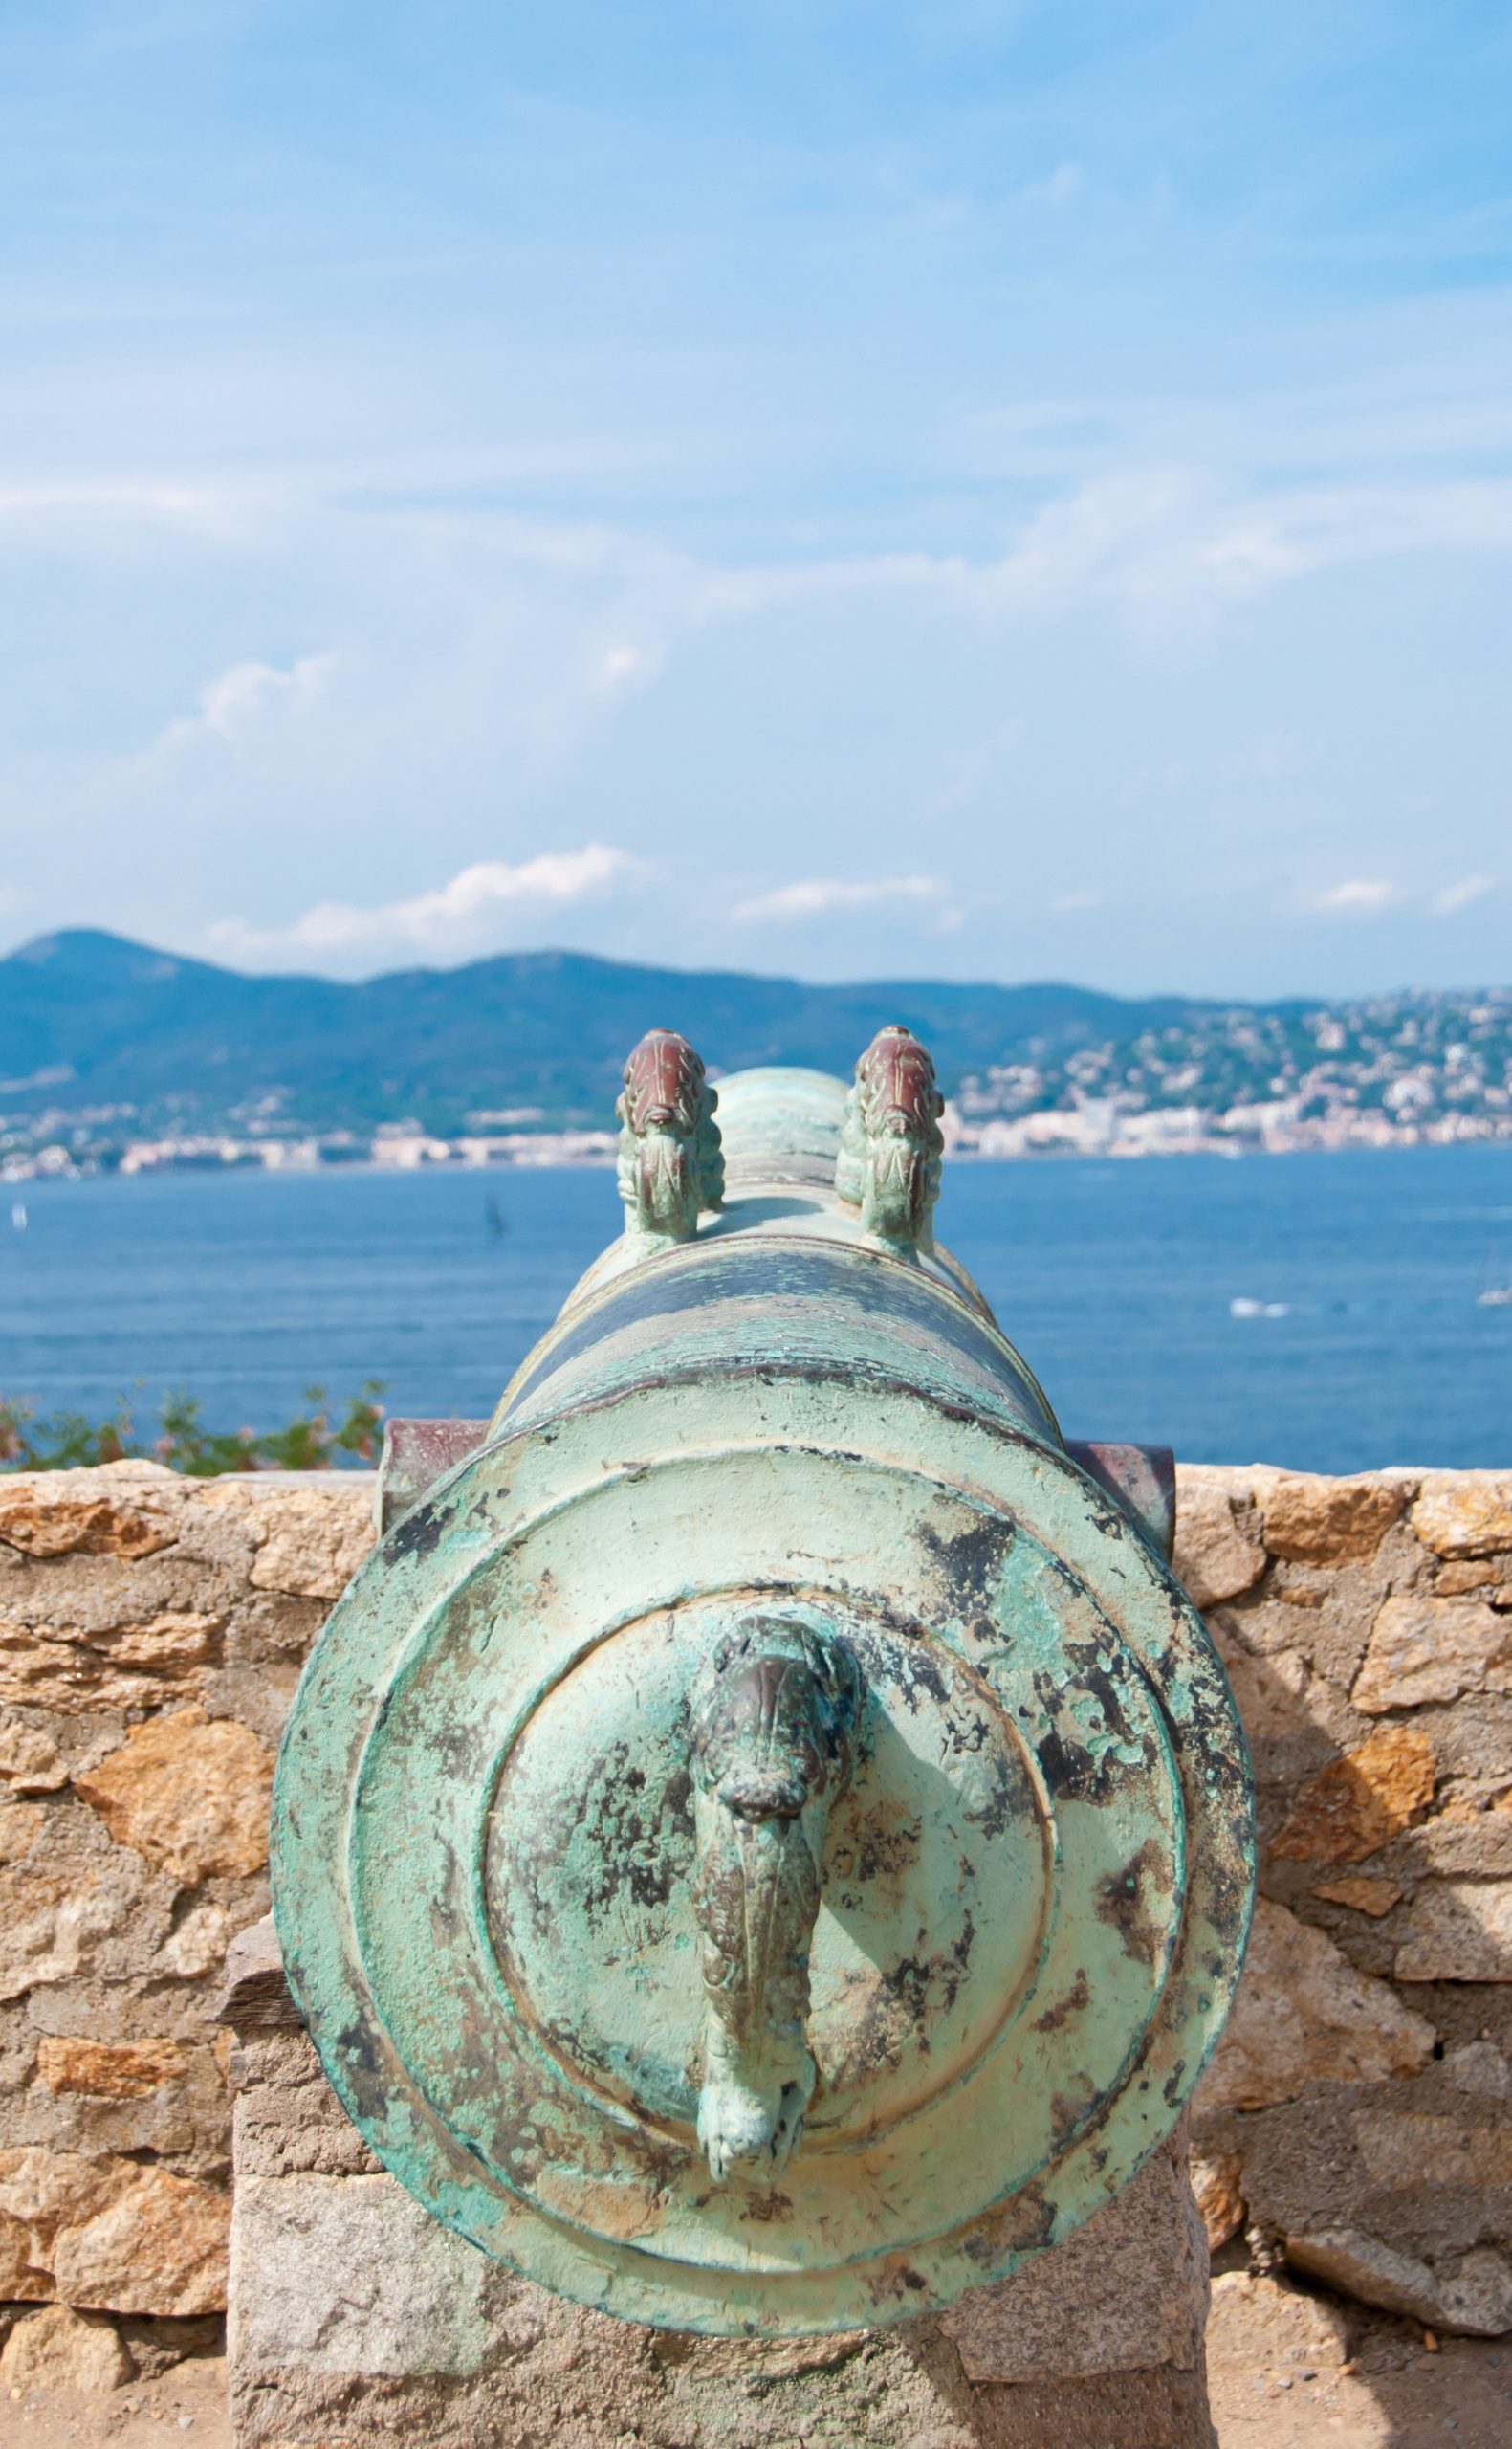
[(151, 1630), (1356, 2117)]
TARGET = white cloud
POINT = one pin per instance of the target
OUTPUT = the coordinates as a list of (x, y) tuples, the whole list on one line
[(236, 701), (623, 664), (818, 896), (1364, 897), (452, 921), (1460, 895), (1357, 896), (98, 500), (1153, 541)]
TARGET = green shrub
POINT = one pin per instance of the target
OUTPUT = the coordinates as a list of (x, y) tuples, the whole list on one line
[(310, 1443)]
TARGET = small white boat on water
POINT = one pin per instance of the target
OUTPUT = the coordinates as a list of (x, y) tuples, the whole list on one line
[(1496, 1285)]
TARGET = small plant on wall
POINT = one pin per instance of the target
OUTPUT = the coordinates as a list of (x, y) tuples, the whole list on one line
[(315, 1440)]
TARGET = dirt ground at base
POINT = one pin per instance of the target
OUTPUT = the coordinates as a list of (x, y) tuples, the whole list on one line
[(187, 2404), (1380, 2388), (1397, 2398)]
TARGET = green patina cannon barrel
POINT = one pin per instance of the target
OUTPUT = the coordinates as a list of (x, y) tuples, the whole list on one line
[(765, 1843)]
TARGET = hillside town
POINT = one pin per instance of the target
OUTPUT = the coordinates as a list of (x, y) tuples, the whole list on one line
[(1393, 1070)]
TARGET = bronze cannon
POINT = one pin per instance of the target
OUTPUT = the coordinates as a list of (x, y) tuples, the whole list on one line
[(766, 1843)]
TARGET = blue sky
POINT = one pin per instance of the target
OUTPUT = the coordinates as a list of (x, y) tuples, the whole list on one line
[(970, 490)]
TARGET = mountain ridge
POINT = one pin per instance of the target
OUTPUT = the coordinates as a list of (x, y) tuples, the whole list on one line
[(115, 1021), (109, 1043)]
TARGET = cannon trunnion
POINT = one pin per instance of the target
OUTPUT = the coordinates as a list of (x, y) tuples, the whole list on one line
[(765, 1843)]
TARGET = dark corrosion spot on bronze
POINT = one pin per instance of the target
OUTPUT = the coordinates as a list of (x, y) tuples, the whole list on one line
[(359, 2048), (971, 1566), (1067, 2112), (420, 1533), (885, 1844), (366, 2076), (927, 1987), (1071, 1770), (1002, 1798), (1124, 1900), (631, 1844), (1075, 2000), (919, 1678), (461, 1752), (897, 2280)]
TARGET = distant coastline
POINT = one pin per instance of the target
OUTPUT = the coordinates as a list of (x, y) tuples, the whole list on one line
[(1096, 1129), (123, 1059)]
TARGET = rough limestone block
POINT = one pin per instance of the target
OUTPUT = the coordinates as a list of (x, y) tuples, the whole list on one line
[(356, 2319), (309, 1541), (1315, 1520), (109, 2234), (21, 1824), (1356, 1804), (1462, 1930), (166, 2096), (254, 1992), (110, 2071), (1219, 1552), (1464, 1513), (1411, 2145), (1463, 1842), (1304, 2016), (1480, 2070), (288, 2122), (198, 1944), (1217, 2189), (61, 2350), (1368, 1894), (75, 1905), (1475, 2297), (1126, 2292), (192, 1793), (126, 1510), (161, 1661), (31, 1762), (1426, 1649)]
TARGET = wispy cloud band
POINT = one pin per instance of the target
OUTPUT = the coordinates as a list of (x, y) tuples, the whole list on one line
[(461, 916), (822, 896)]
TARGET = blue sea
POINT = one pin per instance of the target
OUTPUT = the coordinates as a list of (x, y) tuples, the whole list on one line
[(1316, 1310)]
